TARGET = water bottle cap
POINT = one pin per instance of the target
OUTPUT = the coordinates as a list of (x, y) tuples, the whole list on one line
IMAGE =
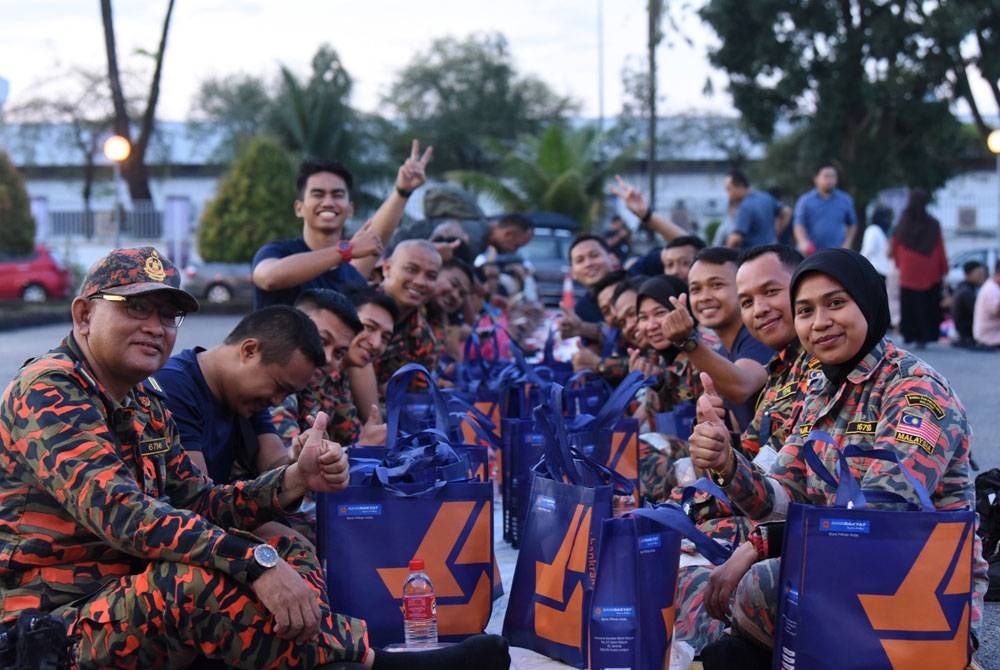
[(417, 565)]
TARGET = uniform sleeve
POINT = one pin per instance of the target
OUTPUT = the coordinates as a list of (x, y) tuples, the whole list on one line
[(922, 422), (284, 418), (69, 452)]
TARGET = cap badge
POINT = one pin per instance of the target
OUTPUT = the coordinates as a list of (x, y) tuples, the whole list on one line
[(154, 268)]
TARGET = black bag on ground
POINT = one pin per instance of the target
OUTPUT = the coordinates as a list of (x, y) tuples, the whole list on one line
[(988, 508)]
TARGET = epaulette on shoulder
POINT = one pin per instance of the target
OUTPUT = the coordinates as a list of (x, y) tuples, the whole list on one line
[(153, 387)]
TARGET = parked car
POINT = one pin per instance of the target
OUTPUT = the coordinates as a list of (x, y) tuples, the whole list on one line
[(985, 255), (218, 282), (548, 253), (36, 277)]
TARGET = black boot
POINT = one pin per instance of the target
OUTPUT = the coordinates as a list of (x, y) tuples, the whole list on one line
[(735, 653)]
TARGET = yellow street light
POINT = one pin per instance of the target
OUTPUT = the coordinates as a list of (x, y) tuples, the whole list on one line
[(993, 141), (117, 148)]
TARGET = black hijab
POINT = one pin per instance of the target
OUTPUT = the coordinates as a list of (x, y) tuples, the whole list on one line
[(855, 273), (918, 230), (661, 288)]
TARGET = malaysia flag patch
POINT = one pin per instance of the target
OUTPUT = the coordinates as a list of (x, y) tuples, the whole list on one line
[(918, 430)]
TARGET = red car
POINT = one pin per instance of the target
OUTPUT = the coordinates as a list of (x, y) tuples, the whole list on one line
[(37, 277)]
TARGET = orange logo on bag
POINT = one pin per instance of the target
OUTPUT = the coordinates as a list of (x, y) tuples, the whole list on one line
[(624, 456), (440, 541), (916, 607), (563, 626)]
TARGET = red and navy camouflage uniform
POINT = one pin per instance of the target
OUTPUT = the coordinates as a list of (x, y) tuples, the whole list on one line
[(778, 408), (413, 341), (106, 523), (870, 410), (680, 384), (333, 396)]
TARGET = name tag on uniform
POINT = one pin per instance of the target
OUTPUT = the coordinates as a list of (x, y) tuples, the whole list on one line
[(786, 391), (861, 428), (154, 447)]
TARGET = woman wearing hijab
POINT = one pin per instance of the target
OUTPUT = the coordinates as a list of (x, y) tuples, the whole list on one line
[(679, 384), (841, 317), (918, 249)]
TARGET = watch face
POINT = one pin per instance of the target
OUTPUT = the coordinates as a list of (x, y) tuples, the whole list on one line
[(265, 555)]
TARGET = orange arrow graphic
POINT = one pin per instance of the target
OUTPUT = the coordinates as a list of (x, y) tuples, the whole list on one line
[(470, 618), (550, 578), (930, 653), (914, 606), (438, 542), (561, 627)]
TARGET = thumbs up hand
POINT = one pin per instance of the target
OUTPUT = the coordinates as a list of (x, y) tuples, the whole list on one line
[(710, 405)]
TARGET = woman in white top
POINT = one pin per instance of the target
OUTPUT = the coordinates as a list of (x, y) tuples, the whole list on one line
[(875, 243)]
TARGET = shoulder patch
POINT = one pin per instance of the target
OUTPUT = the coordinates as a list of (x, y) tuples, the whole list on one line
[(920, 400), (918, 430), (804, 429)]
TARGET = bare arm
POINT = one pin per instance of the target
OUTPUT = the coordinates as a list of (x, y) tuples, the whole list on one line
[(734, 240), (411, 176), (849, 236), (274, 274), (636, 203), (364, 388), (271, 452), (782, 220)]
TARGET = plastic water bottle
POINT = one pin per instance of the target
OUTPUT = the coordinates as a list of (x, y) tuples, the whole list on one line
[(568, 299), (419, 608)]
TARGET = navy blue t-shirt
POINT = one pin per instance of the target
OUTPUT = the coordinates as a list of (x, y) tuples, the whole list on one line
[(746, 346), (343, 276), (204, 424)]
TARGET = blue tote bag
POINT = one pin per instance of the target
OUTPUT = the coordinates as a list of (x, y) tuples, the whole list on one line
[(416, 501), (571, 496), (632, 611), (873, 588)]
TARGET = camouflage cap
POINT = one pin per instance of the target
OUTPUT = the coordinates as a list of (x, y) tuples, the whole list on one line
[(137, 271)]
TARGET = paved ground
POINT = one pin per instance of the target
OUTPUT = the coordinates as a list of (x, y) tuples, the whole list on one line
[(974, 376)]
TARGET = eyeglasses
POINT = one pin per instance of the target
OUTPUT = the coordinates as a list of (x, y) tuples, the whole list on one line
[(143, 308)]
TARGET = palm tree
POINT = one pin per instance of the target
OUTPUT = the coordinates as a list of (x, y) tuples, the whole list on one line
[(559, 171)]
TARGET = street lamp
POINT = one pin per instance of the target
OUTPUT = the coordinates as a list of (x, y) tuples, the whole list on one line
[(993, 144), (117, 150)]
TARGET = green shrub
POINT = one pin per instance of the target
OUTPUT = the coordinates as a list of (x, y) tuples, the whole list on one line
[(253, 206), (17, 226)]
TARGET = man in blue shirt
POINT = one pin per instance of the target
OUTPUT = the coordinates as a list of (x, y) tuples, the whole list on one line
[(738, 370), (759, 216), (322, 258), (219, 397), (825, 216)]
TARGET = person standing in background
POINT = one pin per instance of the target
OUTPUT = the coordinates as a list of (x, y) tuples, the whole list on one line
[(918, 249), (875, 242), (825, 216)]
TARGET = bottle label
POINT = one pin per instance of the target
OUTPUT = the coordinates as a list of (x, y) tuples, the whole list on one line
[(419, 608)]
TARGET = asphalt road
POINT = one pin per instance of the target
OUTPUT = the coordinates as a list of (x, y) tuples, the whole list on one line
[(973, 375)]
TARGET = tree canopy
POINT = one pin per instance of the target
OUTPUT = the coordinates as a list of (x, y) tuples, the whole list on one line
[(558, 171), (466, 98), (17, 226), (252, 206), (865, 84)]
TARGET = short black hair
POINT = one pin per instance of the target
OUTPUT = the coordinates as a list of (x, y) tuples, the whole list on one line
[(969, 266), (687, 241), (311, 166), (363, 295), (608, 280), (515, 219), (331, 301), (738, 178), (823, 166), (461, 265), (788, 256), (633, 283), (580, 239), (717, 256), (281, 331)]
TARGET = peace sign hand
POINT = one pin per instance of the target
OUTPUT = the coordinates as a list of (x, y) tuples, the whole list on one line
[(413, 172)]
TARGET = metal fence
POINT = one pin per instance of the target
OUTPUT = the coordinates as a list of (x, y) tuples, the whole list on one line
[(143, 221)]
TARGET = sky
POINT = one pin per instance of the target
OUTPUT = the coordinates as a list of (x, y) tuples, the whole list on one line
[(556, 40)]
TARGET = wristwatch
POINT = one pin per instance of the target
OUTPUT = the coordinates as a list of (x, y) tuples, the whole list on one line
[(688, 345), (264, 557), (346, 250)]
